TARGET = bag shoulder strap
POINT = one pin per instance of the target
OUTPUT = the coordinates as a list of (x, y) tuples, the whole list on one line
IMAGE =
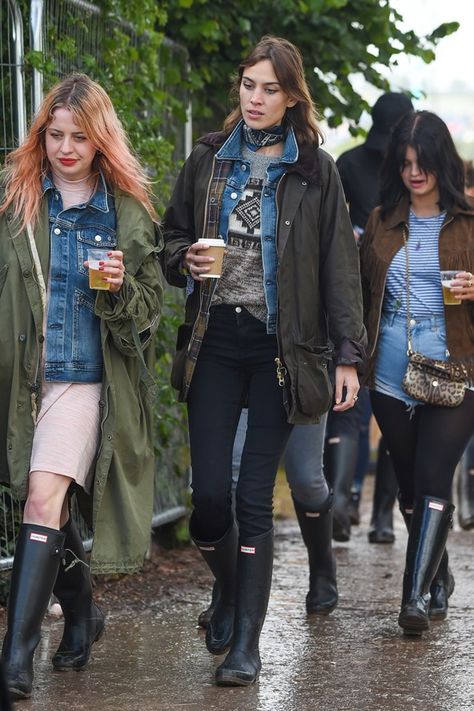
[(37, 263), (407, 278)]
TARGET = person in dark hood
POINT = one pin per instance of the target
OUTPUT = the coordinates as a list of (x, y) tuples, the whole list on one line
[(346, 451)]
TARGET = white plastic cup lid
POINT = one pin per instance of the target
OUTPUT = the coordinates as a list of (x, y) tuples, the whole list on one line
[(212, 242)]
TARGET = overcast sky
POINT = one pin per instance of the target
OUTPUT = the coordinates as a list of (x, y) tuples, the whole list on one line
[(454, 55)]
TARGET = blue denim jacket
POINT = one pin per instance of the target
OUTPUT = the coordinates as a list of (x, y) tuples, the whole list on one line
[(73, 350), (232, 150)]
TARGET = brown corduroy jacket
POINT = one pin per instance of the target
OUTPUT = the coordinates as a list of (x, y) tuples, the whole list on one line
[(382, 240)]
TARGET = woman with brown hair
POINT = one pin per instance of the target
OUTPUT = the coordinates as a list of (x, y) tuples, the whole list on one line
[(261, 334), (75, 411)]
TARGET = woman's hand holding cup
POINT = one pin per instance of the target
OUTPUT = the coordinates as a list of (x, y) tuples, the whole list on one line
[(201, 265)]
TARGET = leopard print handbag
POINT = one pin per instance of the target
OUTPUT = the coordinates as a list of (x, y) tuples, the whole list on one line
[(437, 382)]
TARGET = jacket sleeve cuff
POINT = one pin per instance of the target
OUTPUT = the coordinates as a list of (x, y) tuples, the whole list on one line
[(175, 272), (351, 353)]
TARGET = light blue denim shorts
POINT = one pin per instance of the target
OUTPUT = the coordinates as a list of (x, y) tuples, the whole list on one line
[(428, 337)]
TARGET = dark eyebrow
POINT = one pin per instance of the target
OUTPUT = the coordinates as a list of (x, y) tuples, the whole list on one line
[(268, 83)]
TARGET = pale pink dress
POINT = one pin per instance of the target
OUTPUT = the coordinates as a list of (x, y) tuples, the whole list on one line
[(67, 433)]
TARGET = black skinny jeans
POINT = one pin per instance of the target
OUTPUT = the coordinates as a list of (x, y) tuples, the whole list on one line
[(236, 365), (426, 447)]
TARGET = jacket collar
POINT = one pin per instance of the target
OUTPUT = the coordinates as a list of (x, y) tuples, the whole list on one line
[(99, 199), (301, 159), (399, 214)]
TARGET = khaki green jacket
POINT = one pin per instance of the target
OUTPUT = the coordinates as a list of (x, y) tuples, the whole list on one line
[(120, 505)]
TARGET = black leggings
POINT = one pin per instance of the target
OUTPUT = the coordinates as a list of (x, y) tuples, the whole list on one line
[(236, 366), (426, 445)]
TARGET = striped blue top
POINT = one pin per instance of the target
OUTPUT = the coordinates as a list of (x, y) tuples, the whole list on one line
[(426, 295)]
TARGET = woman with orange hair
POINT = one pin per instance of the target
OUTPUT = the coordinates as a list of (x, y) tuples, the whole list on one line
[(75, 410)]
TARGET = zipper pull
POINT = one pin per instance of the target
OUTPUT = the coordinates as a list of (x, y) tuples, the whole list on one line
[(281, 372)]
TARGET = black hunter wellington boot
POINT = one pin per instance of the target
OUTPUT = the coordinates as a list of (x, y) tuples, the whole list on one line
[(430, 524), (442, 586), (37, 555), (5, 703), (340, 460), (205, 615), (316, 530), (83, 621), (441, 589), (221, 557), (385, 495), (466, 488), (242, 665)]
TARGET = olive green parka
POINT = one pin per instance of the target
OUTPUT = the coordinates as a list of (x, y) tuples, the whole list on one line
[(120, 504)]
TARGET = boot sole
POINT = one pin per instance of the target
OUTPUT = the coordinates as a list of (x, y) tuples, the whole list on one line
[(17, 694), (381, 538), (231, 679), (413, 626), (321, 611), (64, 667)]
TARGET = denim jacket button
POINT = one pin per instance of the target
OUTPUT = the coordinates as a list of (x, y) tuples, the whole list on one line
[(244, 167), (303, 182), (233, 196), (412, 322), (57, 231), (98, 238), (287, 222)]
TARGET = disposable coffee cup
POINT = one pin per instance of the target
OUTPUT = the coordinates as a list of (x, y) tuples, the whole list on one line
[(96, 277), (216, 250), (447, 278)]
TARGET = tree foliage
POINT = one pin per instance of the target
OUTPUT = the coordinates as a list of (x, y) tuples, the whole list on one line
[(338, 39)]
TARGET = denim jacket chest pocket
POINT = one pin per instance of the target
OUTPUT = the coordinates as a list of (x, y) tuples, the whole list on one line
[(93, 237)]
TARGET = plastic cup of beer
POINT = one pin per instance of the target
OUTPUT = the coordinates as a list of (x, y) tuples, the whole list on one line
[(96, 278), (216, 250), (447, 278)]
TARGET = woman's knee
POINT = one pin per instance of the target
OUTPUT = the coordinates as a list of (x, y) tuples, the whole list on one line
[(312, 495), (212, 511)]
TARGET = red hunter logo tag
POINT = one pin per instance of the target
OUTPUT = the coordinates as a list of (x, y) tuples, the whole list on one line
[(247, 549), (39, 537)]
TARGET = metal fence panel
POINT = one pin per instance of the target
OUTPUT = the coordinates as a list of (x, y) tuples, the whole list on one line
[(12, 93)]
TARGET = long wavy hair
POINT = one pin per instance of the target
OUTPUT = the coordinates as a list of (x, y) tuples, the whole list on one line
[(95, 115), (436, 153), (288, 67)]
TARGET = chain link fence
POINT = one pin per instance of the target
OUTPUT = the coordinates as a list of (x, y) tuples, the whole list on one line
[(78, 28)]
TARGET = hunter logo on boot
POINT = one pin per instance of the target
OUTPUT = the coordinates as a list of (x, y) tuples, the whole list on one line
[(39, 537), (247, 549), (436, 505)]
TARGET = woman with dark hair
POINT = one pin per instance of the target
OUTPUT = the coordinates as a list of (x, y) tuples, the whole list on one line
[(424, 224), (75, 411), (260, 335)]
